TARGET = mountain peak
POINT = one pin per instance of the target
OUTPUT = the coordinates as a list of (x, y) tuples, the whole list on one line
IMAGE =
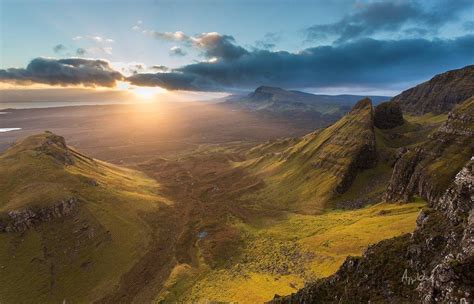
[(46, 143), (268, 89), (362, 104)]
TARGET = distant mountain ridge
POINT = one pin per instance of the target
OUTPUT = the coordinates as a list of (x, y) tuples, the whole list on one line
[(440, 94), (304, 109), (270, 94)]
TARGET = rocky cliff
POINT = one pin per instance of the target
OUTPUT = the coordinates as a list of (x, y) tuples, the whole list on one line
[(427, 169), (434, 264), (388, 115), (440, 94), (321, 164), (22, 220)]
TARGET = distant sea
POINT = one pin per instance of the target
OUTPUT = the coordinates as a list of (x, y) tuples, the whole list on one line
[(53, 104)]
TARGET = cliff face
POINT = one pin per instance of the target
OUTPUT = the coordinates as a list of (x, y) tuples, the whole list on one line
[(440, 94), (322, 164), (22, 220), (433, 265), (388, 115), (365, 156), (426, 170)]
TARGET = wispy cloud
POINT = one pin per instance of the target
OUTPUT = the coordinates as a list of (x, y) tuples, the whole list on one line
[(177, 51), (93, 38), (268, 41), (59, 48)]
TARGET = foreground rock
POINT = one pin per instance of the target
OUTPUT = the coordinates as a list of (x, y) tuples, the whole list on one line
[(22, 220), (433, 265), (427, 170)]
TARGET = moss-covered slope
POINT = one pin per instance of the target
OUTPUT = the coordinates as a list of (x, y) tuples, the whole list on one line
[(305, 173), (70, 226), (434, 264)]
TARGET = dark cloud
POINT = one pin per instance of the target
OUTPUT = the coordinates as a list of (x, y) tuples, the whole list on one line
[(390, 16), (59, 48), (80, 51), (160, 68), (365, 62), (268, 41), (212, 45), (215, 45), (177, 51), (173, 81), (71, 71)]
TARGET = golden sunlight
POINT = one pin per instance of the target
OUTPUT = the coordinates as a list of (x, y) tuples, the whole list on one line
[(147, 92), (144, 93)]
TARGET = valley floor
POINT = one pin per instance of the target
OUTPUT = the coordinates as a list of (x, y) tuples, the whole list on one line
[(205, 238), (229, 249)]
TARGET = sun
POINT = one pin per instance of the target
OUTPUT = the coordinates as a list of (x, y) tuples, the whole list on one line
[(143, 93), (147, 92)]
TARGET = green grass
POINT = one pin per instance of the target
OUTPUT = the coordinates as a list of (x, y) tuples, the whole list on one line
[(279, 256), (302, 174), (78, 258)]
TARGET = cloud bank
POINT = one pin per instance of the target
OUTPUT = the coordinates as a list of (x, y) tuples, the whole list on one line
[(364, 62), (72, 71)]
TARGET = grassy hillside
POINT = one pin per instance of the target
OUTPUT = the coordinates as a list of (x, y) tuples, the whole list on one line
[(305, 173), (279, 256), (222, 223), (81, 256)]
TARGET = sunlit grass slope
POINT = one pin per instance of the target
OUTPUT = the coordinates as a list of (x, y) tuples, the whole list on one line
[(80, 257), (305, 173), (280, 255)]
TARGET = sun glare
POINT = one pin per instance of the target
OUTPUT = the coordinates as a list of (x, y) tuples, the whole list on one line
[(144, 93), (147, 92)]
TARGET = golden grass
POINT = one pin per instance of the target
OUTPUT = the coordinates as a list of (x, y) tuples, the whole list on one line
[(280, 255)]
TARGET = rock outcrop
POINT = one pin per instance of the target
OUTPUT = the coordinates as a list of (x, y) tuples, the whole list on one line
[(440, 94), (366, 156), (55, 147), (22, 220), (433, 265), (428, 169), (388, 115)]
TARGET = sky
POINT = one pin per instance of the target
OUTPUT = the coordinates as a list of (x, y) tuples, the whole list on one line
[(345, 46)]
